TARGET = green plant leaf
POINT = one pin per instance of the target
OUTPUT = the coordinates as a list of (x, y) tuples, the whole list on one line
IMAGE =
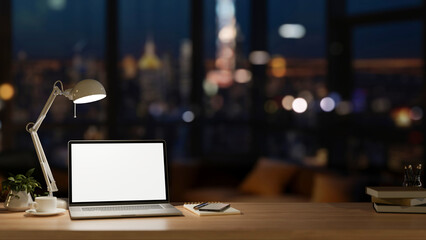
[(19, 177), (29, 172), (21, 182)]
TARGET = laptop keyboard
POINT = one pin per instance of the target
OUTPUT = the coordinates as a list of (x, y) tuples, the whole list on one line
[(121, 208)]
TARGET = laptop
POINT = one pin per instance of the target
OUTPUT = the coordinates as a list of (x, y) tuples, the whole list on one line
[(116, 178)]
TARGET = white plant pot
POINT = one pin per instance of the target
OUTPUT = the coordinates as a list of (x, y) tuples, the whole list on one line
[(18, 201)]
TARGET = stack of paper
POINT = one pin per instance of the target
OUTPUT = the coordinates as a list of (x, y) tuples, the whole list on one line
[(398, 199)]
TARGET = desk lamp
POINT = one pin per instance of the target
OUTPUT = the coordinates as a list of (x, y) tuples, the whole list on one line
[(85, 91)]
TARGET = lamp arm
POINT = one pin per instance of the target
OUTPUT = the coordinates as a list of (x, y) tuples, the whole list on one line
[(47, 173), (32, 128), (55, 92)]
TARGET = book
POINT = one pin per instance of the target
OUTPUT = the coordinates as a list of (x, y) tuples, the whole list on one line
[(396, 192), (228, 211), (384, 208), (399, 201)]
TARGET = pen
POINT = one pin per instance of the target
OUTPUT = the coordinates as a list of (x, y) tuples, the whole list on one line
[(411, 174), (200, 205)]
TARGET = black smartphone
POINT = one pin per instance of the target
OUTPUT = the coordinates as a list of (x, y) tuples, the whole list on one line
[(215, 207)]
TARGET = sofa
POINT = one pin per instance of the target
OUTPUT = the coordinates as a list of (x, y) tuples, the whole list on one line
[(268, 180)]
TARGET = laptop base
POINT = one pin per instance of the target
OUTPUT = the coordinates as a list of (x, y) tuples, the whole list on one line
[(165, 209)]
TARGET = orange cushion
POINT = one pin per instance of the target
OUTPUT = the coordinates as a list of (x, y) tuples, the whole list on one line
[(332, 188), (303, 182), (268, 178)]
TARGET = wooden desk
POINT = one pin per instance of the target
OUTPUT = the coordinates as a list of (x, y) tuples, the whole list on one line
[(259, 221)]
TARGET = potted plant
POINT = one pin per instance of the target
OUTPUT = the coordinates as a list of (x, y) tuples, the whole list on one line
[(20, 188)]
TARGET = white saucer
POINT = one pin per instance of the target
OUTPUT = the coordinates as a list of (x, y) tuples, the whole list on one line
[(34, 212)]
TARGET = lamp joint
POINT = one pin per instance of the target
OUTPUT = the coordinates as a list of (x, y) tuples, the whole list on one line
[(29, 127)]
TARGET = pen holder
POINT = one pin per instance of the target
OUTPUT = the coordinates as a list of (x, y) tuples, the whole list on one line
[(412, 177)]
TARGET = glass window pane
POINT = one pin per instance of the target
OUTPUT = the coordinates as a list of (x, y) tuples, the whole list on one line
[(56, 40), (388, 65), (227, 83), (297, 31), (366, 6), (387, 96), (155, 52), (394, 40), (296, 80)]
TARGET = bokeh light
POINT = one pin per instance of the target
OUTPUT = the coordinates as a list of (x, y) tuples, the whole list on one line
[(6, 91), (57, 4), (225, 9), (223, 63), (271, 106), (336, 97), (242, 76), (295, 31), (156, 109), (188, 116), (210, 88), (130, 67), (226, 52), (321, 90), (259, 57), (327, 104), (307, 95), (344, 108), (216, 102), (359, 100), (381, 105), (401, 117), (416, 113), (287, 102), (278, 67), (300, 105), (221, 78), (227, 34)]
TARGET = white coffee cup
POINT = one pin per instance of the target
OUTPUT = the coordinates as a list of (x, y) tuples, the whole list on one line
[(45, 204)]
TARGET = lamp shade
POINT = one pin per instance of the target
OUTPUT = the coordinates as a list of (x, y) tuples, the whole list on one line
[(86, 91)]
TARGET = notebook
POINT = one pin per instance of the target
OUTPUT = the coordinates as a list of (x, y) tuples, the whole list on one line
[(110, 178), (228, 211), (384, 208), (396, 192)]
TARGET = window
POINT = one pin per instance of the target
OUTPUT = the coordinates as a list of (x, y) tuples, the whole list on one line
[(227, 83), (56, 40), (387, 95), (366, 6), (155, 52), (296, 80)]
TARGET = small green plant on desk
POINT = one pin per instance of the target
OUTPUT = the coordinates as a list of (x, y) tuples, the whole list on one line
[(20, 189), (19, 182)]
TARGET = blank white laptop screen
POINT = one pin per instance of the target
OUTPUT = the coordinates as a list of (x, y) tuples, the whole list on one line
[(107, 172)]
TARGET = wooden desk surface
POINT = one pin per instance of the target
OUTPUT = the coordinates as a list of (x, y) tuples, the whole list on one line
[(258, 221)]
